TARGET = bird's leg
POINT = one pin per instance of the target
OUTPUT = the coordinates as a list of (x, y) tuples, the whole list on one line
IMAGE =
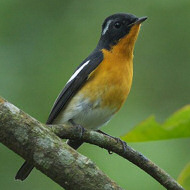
[(78, 127), (123, 143)]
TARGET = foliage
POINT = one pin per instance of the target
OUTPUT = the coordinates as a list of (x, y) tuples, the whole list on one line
[(184, 177), (176, 126)]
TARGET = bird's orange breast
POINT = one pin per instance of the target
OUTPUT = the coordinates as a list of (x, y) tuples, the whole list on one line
[(111, 81)]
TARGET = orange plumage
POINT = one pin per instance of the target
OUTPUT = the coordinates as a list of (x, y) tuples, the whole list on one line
[(112, 80)]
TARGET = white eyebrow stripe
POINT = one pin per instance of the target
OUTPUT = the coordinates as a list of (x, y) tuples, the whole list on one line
[(106, 27), (78, 71)]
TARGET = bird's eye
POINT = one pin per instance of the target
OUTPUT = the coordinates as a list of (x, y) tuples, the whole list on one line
[(117, 25)]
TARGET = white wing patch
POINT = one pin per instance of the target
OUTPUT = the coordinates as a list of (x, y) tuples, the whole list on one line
[(78, 71), (106, 27)]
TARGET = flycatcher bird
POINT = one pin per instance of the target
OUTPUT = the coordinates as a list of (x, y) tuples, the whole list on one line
[(100, 85)]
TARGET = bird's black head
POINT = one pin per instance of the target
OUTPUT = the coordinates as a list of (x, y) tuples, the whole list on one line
[(116, 27)]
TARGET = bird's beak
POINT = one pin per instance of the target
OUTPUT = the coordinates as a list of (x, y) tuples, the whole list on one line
[(138, 21)]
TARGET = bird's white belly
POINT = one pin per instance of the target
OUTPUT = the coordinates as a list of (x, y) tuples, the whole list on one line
[(85, 113)]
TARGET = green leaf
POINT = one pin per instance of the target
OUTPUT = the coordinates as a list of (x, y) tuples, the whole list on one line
[(184, 177), (176, 126)]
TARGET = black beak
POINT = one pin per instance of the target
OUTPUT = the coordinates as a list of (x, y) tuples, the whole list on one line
[(138, 21)]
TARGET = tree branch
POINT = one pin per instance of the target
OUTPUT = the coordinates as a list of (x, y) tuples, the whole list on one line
[(92, 137), (38, 144), (112, 145)]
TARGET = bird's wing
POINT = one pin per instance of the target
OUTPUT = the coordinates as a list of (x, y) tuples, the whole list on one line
[(75, 83)]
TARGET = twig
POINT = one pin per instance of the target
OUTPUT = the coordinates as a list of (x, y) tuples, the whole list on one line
[(112, 145)]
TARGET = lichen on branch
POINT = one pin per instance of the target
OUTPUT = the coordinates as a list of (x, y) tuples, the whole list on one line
[(41, 145), (36, 143)]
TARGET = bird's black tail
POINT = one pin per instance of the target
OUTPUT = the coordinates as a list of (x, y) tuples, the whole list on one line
[(24, 171), (27, 167)]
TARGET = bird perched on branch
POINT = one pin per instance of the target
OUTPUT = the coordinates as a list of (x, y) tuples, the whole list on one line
[(100, 85)]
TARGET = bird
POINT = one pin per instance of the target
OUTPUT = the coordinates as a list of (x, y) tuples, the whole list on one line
[(100, 84)]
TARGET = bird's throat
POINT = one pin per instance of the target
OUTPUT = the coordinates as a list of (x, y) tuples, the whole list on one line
[(125, 46)]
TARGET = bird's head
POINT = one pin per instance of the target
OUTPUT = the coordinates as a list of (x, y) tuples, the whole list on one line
[(120, 28)]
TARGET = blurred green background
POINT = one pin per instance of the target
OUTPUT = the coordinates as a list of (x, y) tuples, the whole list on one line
[(42, 42)]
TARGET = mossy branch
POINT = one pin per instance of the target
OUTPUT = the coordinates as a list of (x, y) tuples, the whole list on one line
[(36, 143)]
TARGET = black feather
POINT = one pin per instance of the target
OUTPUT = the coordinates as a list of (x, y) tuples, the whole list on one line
[(74, 85)]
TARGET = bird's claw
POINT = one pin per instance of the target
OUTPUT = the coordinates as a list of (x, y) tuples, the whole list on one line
[(123, 143), (79, 127), (81, 130)]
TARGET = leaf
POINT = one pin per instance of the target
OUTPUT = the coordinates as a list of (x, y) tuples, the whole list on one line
[(184, 177), (176, 126)]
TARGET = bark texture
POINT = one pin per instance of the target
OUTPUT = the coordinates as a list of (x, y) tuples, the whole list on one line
[(41, 146)]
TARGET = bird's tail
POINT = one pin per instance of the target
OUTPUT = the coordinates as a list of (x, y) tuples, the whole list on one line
[(74, 144), (27, 167), (24, 171)]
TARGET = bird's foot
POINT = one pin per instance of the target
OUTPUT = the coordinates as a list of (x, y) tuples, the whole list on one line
[(123, 143), (81, 130), (79, 127)]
